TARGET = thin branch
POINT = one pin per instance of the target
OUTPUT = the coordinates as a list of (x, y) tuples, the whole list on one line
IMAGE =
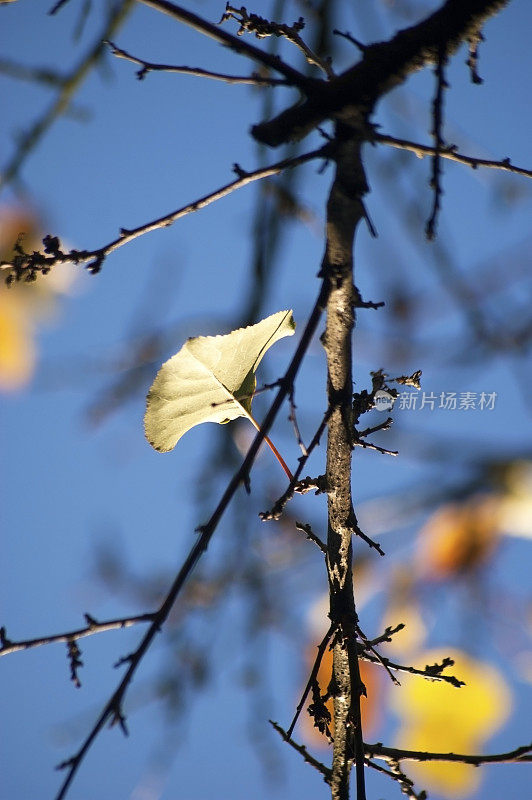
[(70, 85), (397, 775), (150, 66), (353, 522), (472, 62), (520, 754), (346, 35), (293, 76), (293, 419), (384, 637), (25, 266), (430, 673), (7, 646), (311, 536), (293, 487), (437, 124), (325, 771), (370, 446), (376, 658), (383, 66), (449, 152), (255, 24), (58, 6), (312, 677)]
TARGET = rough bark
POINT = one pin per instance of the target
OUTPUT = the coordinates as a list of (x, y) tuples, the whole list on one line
[(384, 65), (344, 211)]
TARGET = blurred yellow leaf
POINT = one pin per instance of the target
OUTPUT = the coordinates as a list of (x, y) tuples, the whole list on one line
[(516, 502), (17, 353), (441, 718), (402, 606)]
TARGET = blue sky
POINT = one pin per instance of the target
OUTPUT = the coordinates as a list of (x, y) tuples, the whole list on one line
[(70, 488)]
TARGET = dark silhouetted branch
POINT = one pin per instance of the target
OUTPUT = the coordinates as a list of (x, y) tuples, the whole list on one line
[(449, 152), (520, 754), (93, 626), (150, 66), (25, 266)]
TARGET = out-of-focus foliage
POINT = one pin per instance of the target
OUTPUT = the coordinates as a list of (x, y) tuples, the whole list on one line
[(459, 537), (440, 718), (24, 306)]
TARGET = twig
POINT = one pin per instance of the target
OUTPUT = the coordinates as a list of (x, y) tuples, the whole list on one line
[(472, 62), (277, 508), (74, 659), (253, 23), (346, 35), (397, 775), (437, 117), (363, 654), (325, 771), (360, 533), (312, 677), (520, 754), (24, 264), (383, 67), (429, 673), (57, 6), (449, 152), (384, 426), (293, 419), (384, 637), (150, 66), (92, 627), (309, 533), (295, 77), (370, 446)]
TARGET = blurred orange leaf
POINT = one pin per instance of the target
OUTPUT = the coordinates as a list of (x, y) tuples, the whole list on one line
[(457, 538), (23, 305)]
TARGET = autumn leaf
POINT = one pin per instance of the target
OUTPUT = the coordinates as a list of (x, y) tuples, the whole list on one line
[(23, 306), (459, 537), (441, 718), (210, 379), (17, 352), (402, 606)]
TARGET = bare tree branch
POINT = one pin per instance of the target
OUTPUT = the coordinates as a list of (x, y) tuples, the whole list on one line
[(292, 75), (150, 66), (325, 771), (312, 677), (383, 66), (520, 754), (26, 266), (8, 646), (449, 152)]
